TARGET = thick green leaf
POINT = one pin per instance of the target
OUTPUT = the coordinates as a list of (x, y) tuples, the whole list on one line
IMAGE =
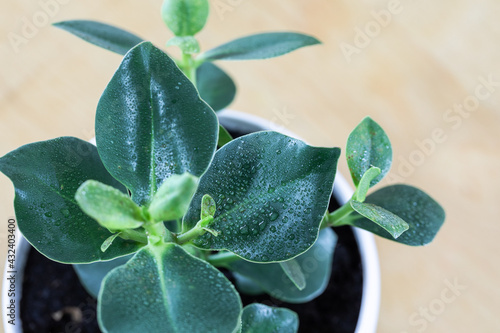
[(271, 191), (424, 215), (247, 286), (152, 124), (315, 264), (260, 318), (294, 272), (172, 200), (110, 207), (100, 34), (165, 289), (185, 17), (215, 86), (390, 222), (224, 136), (368, 146), (187, 44), (46, 176), (260, 46), (91, 275)]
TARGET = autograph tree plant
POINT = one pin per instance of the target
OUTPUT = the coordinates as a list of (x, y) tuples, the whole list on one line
[(150, 214)]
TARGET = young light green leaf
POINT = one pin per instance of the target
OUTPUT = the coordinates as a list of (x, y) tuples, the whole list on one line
[(315, 264), (185, 17), (46, 176), (364, 184), (208, 206), (143, 120), (260, 46), (168, 283), (91, 275), (109, 241), (260, 318), (187, 44), (172, 200), (294, 272), (113, 209), (103, 35), (215, 86), (390, 222), (271, 191), (423, 215), (224, 136), (368, 146)]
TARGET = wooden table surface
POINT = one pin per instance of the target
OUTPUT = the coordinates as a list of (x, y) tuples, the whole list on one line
[(427, 71)]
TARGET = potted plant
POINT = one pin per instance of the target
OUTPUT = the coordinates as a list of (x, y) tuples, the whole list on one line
[(158, 220)]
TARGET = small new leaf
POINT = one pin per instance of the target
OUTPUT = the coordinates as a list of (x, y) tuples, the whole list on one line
[(368, 146), (113, 209), (422, 213), (187, 44), (224, 136), (172, 200), (294, 272), (208, 207), (185, 17), (390, 222), (107, 243), (364, 184)]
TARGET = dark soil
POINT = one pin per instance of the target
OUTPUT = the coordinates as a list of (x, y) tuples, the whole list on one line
[(54, 301)]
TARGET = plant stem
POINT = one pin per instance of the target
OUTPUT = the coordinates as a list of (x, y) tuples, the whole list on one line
[(189, 67), (198, 230), (338, 217), (158, 233), (134, 235), (222, 258)]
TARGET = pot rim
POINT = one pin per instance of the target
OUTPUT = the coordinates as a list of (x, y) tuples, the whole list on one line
[(370, 301)]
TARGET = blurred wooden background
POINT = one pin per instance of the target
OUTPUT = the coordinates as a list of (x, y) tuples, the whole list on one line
[(417, 67)]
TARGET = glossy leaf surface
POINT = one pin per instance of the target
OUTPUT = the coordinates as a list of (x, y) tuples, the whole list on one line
[(368, 146), (46, 176), (260, 318), (185, 17), (423, 215), (103, 35), (259, 46), (165, 289), (110, 207), (215, 86), (271, 192), (151, 123), (91, 275), (390, 222), (315, 265)]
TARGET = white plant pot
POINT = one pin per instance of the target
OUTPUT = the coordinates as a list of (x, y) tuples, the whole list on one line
[(370, 301)]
